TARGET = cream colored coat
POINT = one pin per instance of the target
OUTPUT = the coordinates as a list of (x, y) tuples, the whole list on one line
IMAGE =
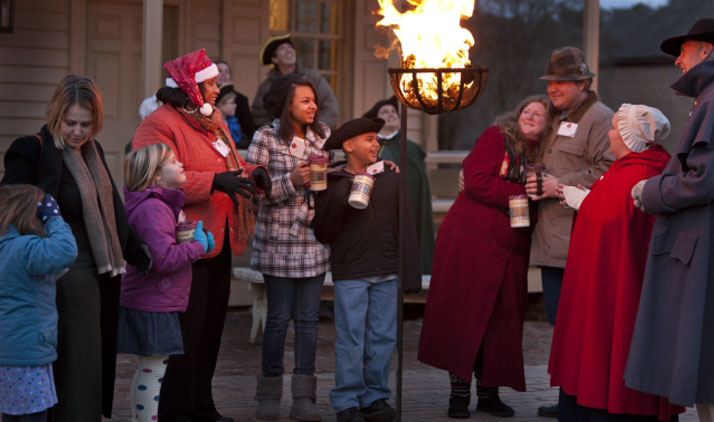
[(581, 159)]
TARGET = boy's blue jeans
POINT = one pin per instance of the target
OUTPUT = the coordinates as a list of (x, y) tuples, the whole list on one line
[(299, 299), (366, 323)]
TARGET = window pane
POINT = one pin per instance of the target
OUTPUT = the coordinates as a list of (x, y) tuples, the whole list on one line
[(327, 58), (329, 18), (306, 16), (279, 15), (306, 52)]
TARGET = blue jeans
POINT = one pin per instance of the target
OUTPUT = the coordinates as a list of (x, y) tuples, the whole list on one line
[(552, 283), (366, 322), (299, 299)]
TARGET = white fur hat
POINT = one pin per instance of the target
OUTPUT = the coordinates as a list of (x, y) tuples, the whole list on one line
[(641, 125)]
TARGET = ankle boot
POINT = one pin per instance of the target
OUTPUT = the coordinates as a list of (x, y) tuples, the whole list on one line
[(304, 397), (268, 394)]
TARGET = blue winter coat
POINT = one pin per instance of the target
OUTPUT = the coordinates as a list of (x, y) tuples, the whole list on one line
[(29, 265)]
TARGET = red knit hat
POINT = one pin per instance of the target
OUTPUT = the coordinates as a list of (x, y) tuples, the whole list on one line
[(187, 72)]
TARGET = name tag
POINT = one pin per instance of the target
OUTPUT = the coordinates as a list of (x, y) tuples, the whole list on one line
[(297, 148), (221, 147), (376, 168), (567, 129)]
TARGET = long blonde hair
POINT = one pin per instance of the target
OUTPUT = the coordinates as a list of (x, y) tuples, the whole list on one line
[(18, 206), (74, 89), (508, 122), (141, 166)]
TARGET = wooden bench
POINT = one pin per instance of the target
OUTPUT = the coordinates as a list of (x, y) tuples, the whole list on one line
[(260, 301)]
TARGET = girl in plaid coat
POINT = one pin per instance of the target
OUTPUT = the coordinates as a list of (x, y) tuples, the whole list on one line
[(285, 250)]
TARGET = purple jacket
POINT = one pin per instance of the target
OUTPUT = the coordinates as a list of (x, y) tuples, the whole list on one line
[(154, 214)]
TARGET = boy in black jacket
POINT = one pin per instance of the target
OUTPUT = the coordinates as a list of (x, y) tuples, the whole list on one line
[(365, 264)]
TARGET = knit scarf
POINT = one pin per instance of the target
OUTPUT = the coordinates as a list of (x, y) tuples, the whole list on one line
[(244, 219), (86, 167), (514, 163)]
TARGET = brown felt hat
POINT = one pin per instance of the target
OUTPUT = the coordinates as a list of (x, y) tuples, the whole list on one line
[(567, 64), (372, 112), (702, 30)]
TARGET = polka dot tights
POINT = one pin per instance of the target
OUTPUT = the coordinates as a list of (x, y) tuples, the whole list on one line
[(146, 386)]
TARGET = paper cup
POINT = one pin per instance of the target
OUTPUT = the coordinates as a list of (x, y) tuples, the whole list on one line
[(361, 190), (186, 231), (318, 172), (518, 211)]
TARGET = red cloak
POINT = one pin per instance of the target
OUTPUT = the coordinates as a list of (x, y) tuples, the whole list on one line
[(478, 291), (601, 292)]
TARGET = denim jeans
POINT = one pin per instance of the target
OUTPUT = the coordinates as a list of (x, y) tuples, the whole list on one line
[(299, 299), (366, 323), (552, 283)]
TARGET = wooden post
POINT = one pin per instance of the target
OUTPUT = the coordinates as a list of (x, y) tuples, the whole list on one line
[(152, 43), (591, 37)]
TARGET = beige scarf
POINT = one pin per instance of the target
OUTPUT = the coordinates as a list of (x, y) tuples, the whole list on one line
[(244, 219), (95, 187)]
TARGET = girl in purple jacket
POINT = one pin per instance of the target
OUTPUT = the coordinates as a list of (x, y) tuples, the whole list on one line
[(150, 303)]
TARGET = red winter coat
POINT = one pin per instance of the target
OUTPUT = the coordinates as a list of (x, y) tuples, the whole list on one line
[(478, 291), (601, 292), (193, 146)]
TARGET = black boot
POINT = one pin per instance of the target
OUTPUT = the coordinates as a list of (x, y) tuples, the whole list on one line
[(490, 402), (460, 397)]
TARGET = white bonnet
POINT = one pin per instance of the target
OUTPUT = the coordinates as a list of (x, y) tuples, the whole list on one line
[(641, 125)]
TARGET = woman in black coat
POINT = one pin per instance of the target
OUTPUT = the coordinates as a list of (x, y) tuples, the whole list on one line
[(65, 160)]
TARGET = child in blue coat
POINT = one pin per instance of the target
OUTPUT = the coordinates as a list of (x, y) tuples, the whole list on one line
[(36, 247), (150, 303)]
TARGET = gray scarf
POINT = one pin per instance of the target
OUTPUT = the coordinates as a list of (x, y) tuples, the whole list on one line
[(95, 187)]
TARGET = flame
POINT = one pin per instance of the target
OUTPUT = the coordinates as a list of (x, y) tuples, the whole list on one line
[(430, 36)]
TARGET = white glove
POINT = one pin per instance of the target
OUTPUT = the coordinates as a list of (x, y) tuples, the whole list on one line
[(637, 194)]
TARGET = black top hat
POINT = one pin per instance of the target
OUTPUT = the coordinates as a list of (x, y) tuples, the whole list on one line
[(269, 48), (226, 88), (351, 129), (567, 64), (702, 30), (372, 112)]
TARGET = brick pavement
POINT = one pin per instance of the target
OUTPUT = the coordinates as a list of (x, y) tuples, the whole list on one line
[(426, 389)]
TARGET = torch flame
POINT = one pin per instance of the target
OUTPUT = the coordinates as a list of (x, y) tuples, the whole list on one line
[(431, 36)]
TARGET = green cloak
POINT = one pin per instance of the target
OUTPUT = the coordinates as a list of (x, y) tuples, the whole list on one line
[(418, 191)]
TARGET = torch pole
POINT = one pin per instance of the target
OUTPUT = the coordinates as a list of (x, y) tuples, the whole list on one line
[(402, 261)]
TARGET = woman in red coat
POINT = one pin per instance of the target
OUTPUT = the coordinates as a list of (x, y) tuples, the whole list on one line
[(217, 187), (603, 281), (474, 315)]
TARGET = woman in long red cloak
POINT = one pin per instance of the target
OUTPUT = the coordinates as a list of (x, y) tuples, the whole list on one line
[(603, 280), (473, 322)]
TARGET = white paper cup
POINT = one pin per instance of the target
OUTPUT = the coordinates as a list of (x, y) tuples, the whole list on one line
[(518, 211), (318, 176), (361, 190)]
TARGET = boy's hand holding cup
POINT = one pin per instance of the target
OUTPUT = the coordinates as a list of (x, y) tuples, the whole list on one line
[(47, 209)]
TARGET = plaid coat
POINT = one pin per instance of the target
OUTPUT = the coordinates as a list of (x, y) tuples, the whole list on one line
[(284, 243)]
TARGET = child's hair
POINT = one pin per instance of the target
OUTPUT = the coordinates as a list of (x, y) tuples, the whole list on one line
[(141, 166), (18, 206)]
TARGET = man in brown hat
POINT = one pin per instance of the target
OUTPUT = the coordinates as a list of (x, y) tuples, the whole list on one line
[(280, 52), (577, 152), (672, 350)]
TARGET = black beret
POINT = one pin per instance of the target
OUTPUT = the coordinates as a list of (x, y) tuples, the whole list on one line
[(372, 112), (269, 48), (226, 88), (351, 129)]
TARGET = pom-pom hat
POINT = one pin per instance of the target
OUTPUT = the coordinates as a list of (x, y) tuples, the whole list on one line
[(187, 72), (641, 125)]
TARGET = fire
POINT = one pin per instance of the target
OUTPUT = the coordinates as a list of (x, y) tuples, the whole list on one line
[(430, 37)]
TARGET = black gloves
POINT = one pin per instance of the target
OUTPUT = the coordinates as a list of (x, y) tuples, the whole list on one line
[(262, 180), (230, 183), (145, 263)]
